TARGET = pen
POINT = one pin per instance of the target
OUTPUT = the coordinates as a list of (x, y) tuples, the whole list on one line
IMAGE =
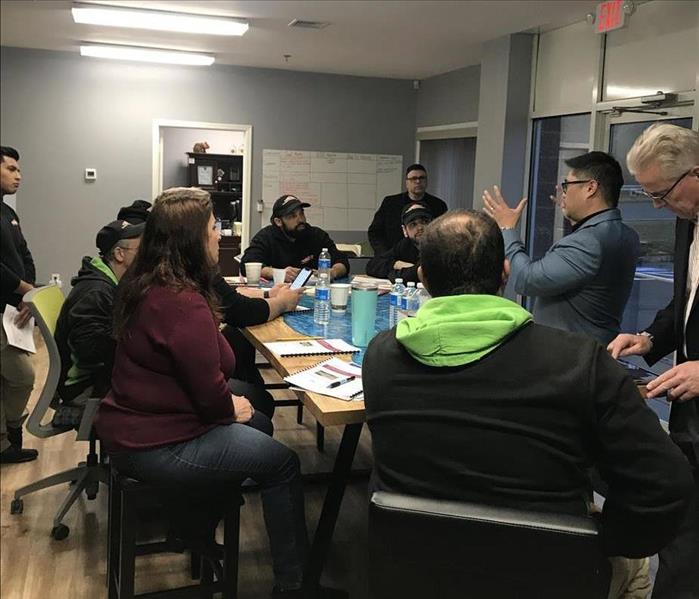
[(341, 382), (296, 338)]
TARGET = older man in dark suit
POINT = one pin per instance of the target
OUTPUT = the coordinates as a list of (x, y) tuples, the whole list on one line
[(665, 161)]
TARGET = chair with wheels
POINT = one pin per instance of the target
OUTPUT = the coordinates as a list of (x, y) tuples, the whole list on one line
[(433, 548), (45, 305)]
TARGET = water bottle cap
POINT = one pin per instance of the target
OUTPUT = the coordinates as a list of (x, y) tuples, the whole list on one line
[(324, 249), (323, 275), (399, 280), (411, 284), (420, 286)]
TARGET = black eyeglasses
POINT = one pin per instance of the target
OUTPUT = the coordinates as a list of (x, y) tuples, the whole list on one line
[(564, 184), (659, 196), (420, 178)]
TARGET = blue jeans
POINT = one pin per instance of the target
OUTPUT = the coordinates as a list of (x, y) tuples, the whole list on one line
[(230, 454)]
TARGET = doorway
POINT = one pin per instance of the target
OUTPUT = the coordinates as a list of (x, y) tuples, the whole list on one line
[(172, 140), (653, 282), (450, 164)]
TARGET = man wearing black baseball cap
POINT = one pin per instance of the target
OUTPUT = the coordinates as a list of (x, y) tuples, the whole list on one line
[(385, 230), (291, 243), (84, 328), (403, 259)]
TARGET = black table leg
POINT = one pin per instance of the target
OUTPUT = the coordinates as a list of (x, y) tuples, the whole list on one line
[(331, 508)]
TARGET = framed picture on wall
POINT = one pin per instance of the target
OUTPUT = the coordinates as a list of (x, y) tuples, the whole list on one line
[(205, 175)]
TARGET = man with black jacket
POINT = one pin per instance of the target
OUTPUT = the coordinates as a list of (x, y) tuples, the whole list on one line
[(471, 400), (84, 327), (665, 161), (403, 259), (18, 275), (289, 242), (386, 228)]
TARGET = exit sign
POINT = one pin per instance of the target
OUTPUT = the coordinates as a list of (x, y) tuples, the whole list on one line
[(610, 16)]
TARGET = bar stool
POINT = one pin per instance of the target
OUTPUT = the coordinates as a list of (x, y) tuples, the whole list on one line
[(217, 573)]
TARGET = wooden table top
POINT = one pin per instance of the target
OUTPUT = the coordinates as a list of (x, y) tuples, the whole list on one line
[(326, 410)]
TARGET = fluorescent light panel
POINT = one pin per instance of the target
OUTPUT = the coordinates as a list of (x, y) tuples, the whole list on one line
[(135, 18), (146, 55)]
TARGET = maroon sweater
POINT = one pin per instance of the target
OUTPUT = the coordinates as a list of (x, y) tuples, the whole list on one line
[(169, 378)]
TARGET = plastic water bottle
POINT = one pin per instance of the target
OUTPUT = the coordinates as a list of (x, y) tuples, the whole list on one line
[(422, 295), (219, 225), (407, 302), (324, 263), (396, 293), (321, 305)]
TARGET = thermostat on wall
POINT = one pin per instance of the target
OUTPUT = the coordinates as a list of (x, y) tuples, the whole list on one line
[(90, 174)]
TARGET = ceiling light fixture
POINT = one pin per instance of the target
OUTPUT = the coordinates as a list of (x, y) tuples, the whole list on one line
[(137, 18), (146, 54)]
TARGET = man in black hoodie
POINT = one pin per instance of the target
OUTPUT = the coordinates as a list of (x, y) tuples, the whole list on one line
[(84, 328)]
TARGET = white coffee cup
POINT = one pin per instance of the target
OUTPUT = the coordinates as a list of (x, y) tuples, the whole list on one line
[(278, 274), (252, 272), (237, 228), (339, 294)]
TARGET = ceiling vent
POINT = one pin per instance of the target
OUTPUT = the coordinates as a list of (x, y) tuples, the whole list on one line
[(308, 24)]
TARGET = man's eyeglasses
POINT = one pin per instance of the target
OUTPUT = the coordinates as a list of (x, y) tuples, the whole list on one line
[(419, 178), (659, 196), (564, 184)]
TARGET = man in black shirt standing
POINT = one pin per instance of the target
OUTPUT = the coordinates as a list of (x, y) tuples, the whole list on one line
[(385, 230), (403, 259), (18, 275), (291, 243)]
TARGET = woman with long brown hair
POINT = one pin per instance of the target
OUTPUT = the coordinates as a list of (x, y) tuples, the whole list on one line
[(170, 416)]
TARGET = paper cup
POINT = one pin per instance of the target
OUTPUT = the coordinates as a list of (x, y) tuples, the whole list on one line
[(339, 293), (237, 228), (278, 274), (252, 272)]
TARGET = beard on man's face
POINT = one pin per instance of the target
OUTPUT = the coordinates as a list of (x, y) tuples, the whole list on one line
[(296, 232)]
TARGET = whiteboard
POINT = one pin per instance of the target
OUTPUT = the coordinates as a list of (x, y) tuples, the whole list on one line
[(344, 190)]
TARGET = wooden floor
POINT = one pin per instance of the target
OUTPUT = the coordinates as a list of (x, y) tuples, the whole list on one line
[(34, 566)]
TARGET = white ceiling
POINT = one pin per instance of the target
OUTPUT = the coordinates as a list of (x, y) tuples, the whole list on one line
[(408, 39)]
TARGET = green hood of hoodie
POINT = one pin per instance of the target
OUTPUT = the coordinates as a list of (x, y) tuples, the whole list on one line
[(99, 264), (459, 329)]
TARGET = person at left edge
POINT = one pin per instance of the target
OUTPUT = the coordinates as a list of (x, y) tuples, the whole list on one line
[(291, 243), (18, 275)]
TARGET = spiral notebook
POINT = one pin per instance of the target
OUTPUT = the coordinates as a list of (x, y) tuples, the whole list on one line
[(334, 377), (310, 347)]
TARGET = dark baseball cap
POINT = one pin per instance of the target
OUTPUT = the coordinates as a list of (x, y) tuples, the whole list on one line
[(286, 204), (137, 212), (414, 211), (114, 232)]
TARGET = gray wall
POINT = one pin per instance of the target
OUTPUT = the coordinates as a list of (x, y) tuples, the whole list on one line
[(449, 98), (64, 113)]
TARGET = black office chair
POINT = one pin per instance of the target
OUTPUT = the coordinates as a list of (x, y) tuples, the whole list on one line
[(422, 548)]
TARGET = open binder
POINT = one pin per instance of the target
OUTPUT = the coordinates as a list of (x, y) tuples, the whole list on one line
[(334, 377)]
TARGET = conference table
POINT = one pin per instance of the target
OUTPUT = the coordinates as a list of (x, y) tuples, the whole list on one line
[(326, 410)]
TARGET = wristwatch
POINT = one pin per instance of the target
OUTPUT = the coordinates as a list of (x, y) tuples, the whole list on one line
[(266, 293), (647, 334)]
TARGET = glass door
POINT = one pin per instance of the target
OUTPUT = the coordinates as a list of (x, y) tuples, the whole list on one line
[(652, 289)]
